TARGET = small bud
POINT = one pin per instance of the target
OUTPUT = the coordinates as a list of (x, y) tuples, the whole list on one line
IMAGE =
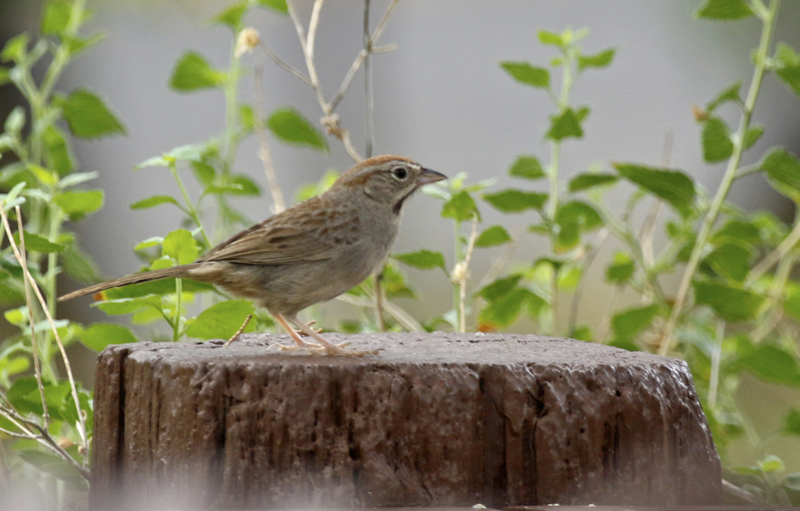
[(700, 115), (460, 273), (65, 443), (247, 40)]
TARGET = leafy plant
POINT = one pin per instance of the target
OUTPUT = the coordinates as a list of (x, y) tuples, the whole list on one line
[(48, 414)]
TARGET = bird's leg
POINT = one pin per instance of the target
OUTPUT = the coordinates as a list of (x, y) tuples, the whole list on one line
[(330, 349), (293, 334), (241, 329), (313, 321)]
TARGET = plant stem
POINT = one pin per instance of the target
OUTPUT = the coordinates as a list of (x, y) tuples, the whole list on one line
[(231, 112), (369, 104), (727, 179), (176, 326), (457, 290), (189, 206)]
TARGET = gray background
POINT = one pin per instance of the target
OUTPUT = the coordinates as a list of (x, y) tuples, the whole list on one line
[(440, 98)]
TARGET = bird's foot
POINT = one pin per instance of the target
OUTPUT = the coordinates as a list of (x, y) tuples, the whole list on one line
[(308, 325)]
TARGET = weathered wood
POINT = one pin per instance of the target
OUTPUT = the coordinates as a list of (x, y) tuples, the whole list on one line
[(434, 420)]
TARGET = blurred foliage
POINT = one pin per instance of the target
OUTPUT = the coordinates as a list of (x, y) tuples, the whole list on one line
[(736, 310)]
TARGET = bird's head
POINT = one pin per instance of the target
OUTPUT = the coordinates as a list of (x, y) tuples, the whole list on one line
[(389, 180)]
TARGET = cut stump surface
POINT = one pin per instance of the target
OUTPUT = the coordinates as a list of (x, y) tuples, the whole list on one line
[(433, 420)]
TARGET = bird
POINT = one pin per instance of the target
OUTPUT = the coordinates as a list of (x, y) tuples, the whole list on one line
[(309, 253)]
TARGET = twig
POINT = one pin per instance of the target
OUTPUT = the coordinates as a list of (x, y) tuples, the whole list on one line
[(37, 370), (727, 179), (42, 436), (716, 354), (43, 303), (369, 103), (264, 154), (739, 493), (576, 297), (402, 317), (379, 315), (776, 255), (461, 274), (299, 74)]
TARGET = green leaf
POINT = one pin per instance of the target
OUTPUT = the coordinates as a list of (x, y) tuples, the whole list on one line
[(88, 116), (56, 17), (620, 269), (154, 241), (156, 200), (5, 76), (100, 335), (193, 72), (549, 38), (791, 422), (730, 303), (57, 153), (789, 67), (737, 231), (128, 305), (628, 324), (493, 236), (771, 464), (222, 320), (79, 265), (783, 170), (79, 203), (422, 259), (569, 236), (276, 5), (729, 94), (565, 125), (290, 126), (579, 212), (500, 287), (232, 16), (505, 309), (180, 246), (16, 48), (36, 243), (724, 10), (754, 133), (204, 172), (586, 181), (78, 43), (515, 201), (461, 207), (527, 74), (394, 284), (15, 120), (309, 190), (731, 261), (771, 364), (671, 185), (526, 166), (55, 466), (43, 175), (717, 145), (598, 60)]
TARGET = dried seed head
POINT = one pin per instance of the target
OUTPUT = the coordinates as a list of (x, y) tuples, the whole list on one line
[(460, 273), (246, 41)]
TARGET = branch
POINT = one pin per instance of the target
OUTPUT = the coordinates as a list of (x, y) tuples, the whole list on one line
[(263, 140), (43, 303), (37, 370)]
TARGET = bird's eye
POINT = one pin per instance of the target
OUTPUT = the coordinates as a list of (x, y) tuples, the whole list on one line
[(399, 173)]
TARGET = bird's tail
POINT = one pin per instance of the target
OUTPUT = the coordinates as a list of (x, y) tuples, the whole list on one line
[(166, 273)]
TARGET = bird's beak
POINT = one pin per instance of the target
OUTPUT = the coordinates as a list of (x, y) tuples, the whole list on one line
[(429, 176)]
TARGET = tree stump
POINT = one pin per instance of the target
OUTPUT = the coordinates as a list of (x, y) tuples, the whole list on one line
[(433, 420)]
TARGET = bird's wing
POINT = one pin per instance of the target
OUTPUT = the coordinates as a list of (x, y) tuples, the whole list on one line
[(312, 232)]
